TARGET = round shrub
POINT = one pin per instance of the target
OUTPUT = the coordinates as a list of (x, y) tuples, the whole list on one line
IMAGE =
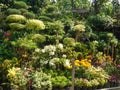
[(16, 26), (69, 41), (15, 19), (23, 10), (20, 4), (35, 25), (38, 38), (54, 27), (29, 15), (13, 11)]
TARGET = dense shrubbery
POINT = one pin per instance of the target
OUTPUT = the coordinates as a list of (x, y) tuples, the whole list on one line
[(39, 41)]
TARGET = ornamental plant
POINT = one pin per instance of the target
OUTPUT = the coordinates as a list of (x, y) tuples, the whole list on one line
[(79, 29), (60, 82), (17, 78), (34, 25), (40, 80), (14, 18)]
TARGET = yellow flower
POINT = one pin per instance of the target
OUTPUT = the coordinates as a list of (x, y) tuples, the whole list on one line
[(12, 72), (69, 67), (25, 55), (77, 63)]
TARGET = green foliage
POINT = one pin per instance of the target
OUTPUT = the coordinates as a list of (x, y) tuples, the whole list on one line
[(34, 25), (69, 41), (13, 11), (60, 81), (38, 38), (29, 15), (15, 19), (44, 18), (23, 10), (24, 42), (51, 9), (50, 39), (55, 27), (41, 81), (16, 26), (101, 21), (20, 4)]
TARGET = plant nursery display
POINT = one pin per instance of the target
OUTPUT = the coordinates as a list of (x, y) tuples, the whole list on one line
[(59, 44)]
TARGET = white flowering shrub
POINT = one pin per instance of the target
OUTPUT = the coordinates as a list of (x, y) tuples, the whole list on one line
[(41, 81), (49, 49)]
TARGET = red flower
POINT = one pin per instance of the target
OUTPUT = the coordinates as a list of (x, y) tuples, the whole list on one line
[(7, 34)]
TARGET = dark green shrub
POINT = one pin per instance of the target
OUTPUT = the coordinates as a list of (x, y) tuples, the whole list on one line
[(29, 15), (20, 4), (13, 11), (23, 10), (44, 18), (51, 9), (101, 21)]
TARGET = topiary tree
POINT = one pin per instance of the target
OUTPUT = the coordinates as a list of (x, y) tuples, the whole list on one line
[(29, 15), (16, 26), (20, 4), (13, 11), (69, 41), (38, 38), (34, 25), (79, 29), (15, 19)]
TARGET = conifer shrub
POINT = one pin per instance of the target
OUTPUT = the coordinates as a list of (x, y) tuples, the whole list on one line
[(14, 18), (13, 11)]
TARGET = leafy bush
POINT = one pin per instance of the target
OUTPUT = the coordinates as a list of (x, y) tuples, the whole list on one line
[(24, 42), (38, 38), (13, 11), (102, 21), (44, 18), (16, 26), (15, 19), (69, 41), (23, 10), (54, 27), (35, 25), (60, 81), (29, 15), (41, 81), (20, 4)]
